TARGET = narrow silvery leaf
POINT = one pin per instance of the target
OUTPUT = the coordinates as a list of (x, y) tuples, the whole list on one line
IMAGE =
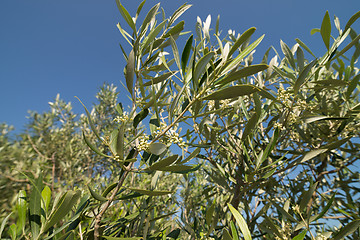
[(130, 70), (126, 15), (178, 13), (150, 16)]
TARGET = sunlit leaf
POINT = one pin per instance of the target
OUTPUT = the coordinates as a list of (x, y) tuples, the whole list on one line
[(61, 208), (312, 154), (21, 207), (159, 79), (326, 30), (150, 16), (163, 163), (96, 196), (175, 30), (240, 222), (303, 75), (300, 236), (178, 13), (244, 72), (243, 37), (200, 66), (130, 70), (157, 148), (234, 63), (125, 14), (232, 92)]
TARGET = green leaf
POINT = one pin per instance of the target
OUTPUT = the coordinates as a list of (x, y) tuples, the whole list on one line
[(163, 163), (92, 147), (175, 30), (109, 189), (130, 70), (347, 230), (46, 196), (97, 196), (300, 236), (209, 215), (21, 207), (4, 223), (140, 116), (139, 8), (226, 235), (12, 231), (201, 65), (35, 208), (306, 196), (240, 222), (62, 207), (117, 141), (191, 156), (326, 208), (232, 92), (302, 77), (312, 154), (160, 78), (125, 14), (121, 238), (326, 30), (352, 20), (244, 72), (157, 148), (250, 126), (234, 63), (150, 38), (268, 148), (243, 37), (288, 54), (314, 30), (345, 49), (186, 53), (319, 118), (179, 168), (304, 46), (149, 192)]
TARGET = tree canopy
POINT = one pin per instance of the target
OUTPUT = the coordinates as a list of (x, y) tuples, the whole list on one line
[(211, 146)]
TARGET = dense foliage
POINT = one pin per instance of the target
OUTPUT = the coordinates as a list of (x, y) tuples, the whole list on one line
[(212, 146)]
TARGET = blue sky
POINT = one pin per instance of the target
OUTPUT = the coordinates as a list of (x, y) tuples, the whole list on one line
[(72, 47)]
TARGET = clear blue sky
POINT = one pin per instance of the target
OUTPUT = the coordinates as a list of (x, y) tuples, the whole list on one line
[(72, 47)]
